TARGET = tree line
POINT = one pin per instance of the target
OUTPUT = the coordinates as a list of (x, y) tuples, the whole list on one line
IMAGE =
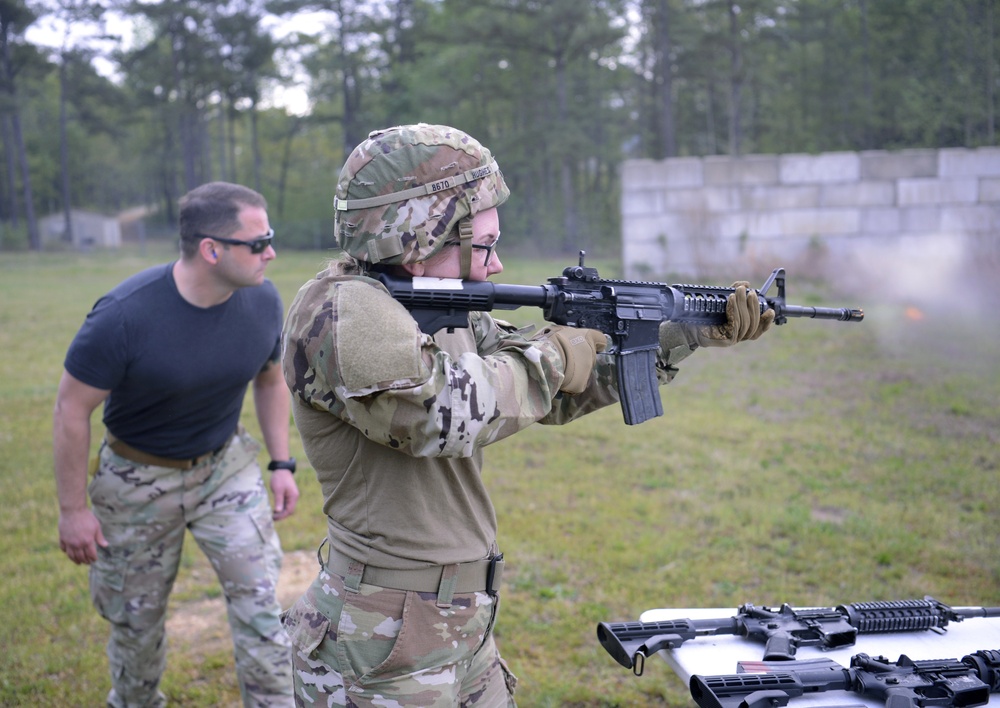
[(560, 90)]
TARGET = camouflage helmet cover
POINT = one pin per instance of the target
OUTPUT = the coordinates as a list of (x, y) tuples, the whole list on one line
[(403, 192)]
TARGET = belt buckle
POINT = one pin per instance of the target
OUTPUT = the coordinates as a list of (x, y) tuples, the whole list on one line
[(491, 571)]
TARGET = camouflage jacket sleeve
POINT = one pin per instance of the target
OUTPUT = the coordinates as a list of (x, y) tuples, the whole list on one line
[(398, 386)]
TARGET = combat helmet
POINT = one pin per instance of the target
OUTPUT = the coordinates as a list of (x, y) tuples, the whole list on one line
[(407, 191)]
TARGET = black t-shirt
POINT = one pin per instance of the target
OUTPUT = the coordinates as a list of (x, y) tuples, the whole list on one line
[(177, 373)]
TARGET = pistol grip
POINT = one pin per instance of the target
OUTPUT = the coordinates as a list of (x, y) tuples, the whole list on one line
[(779, 647)]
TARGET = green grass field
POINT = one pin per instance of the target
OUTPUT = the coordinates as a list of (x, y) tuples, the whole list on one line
[(827, 463)]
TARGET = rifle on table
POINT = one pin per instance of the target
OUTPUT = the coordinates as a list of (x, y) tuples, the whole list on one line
[(629, 312), (782, 631), (902, 684)]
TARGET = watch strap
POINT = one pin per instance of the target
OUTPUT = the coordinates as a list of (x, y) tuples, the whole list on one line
[(288, 464)]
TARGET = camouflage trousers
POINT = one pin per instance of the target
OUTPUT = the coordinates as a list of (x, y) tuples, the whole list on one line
[(144, 511), (376, 646)]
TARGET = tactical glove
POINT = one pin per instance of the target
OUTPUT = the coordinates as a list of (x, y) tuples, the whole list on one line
[(579, 348), (743, 320)]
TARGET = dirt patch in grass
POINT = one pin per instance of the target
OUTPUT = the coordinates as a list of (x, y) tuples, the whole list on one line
[(200, 626)]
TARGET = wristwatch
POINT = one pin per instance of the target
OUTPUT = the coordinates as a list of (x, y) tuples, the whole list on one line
[(288, 464)]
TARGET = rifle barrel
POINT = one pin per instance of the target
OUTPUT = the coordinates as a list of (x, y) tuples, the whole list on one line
[(842, 314), (976, 611)]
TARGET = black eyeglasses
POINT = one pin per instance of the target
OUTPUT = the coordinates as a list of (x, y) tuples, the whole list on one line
[(489, 250), (256, 246)]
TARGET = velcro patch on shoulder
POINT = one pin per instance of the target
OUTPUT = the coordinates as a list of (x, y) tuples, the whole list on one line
[(378, 342)]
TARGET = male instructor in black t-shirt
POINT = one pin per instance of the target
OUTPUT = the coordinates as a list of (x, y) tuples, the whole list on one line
[(170, 352)]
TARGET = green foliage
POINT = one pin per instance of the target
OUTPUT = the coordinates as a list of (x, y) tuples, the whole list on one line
[(560, 91), (825, 463)]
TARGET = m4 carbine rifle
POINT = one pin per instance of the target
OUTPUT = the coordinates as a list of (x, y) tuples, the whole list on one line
[(902, 684), (782, 631), (629, 312)]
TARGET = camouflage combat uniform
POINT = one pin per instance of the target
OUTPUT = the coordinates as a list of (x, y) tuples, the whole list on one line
[(399, 458), (144, 510), (394, 422), (177, 400)]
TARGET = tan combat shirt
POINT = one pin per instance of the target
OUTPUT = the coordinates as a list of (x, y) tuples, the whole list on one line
[(394, 421)]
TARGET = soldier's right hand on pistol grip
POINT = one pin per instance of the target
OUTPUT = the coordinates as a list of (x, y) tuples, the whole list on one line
[(579, 349)]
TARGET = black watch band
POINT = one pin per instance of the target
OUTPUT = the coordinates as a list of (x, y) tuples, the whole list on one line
[(288, 464)]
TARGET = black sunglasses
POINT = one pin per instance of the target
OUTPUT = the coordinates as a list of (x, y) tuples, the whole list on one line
[(256, 246), (489, 250)]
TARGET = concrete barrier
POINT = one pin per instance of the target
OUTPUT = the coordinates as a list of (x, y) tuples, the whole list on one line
[(713, 215)]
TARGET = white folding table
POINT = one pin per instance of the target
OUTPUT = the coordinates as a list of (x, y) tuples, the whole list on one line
[(717, 655)]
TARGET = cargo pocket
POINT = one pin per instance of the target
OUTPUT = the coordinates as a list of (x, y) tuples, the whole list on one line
[(107, 584), (261, 518), (306, 626), (270, 542), (369, 634)]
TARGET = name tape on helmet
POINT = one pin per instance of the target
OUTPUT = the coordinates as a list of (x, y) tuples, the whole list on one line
[(421, 191)]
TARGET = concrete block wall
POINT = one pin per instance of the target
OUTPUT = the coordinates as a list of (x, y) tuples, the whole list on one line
[(699, 216)]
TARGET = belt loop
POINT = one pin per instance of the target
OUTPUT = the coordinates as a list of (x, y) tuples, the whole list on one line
[(446, 590), (355, 571)]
